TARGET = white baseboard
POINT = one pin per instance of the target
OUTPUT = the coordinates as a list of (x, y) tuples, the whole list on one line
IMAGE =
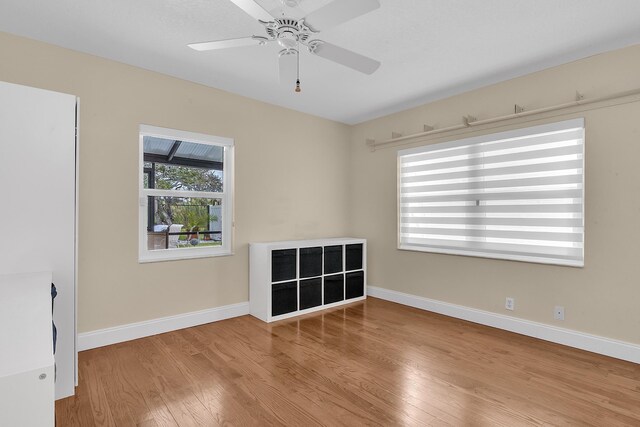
[(596, 344), (132, 331)]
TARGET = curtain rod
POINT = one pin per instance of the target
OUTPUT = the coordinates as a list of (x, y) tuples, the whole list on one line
[(470, 121)]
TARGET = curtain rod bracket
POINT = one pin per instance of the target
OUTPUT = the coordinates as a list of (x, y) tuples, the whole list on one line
[(371, 143), (427, 128), (517, 109), (467, 120), (579, 96)]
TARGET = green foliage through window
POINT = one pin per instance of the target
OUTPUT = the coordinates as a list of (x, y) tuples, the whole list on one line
[(175, 177), (193, 213)]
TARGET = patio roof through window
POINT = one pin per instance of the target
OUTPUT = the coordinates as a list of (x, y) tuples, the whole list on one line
[(183, 153)]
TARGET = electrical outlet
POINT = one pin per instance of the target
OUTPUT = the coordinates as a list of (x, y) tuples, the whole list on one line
[(510, 303), (558, 312)]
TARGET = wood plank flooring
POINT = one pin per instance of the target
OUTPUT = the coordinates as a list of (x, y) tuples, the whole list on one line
[(369, 363)]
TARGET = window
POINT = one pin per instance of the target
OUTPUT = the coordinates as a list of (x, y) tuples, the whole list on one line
[(186, 194), (514, 195)]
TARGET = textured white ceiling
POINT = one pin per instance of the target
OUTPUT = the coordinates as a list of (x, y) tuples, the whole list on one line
[(429, 49)]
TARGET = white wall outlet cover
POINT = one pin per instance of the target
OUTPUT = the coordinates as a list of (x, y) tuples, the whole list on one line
[(558, 312), (510, 303)]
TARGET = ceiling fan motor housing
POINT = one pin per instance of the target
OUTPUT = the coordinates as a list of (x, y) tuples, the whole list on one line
[(288, 32)]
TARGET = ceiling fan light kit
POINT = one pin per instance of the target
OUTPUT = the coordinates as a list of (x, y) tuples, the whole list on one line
[(291, 3), (290, 33)]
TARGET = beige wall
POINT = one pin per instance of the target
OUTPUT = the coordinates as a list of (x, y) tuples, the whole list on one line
[(291, 170), (601, 298)]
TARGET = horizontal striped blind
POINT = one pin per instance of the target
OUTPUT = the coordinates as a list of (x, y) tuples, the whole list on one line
[(511, 195)]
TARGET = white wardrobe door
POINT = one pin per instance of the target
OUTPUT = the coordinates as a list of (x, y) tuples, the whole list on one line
[(37, 189)]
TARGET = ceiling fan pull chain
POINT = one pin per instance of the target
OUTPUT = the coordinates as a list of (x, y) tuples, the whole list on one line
[(298, 69)]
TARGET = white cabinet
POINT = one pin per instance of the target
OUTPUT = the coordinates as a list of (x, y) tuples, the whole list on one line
[(38, 215), (301, 276), (26, 360)]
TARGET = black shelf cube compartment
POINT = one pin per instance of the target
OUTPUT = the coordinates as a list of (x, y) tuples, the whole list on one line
[(332, 259), (289, 278), (353, 256), (310, 293), (283, 265), (284, 298), (333, 288), (310, 262), (354, 286)]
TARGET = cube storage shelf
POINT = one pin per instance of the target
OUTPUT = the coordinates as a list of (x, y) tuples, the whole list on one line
[(296, 277)]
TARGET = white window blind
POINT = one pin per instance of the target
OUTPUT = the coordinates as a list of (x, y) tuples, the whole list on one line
[(513, 195)]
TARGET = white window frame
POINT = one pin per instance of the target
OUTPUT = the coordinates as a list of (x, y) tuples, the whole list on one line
[(482, 245), (226, 196)]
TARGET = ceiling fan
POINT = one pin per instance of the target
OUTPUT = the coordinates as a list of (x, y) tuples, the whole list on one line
[(290, 33)]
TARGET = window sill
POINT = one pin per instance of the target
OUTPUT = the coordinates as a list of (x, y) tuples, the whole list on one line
[(162, 255)]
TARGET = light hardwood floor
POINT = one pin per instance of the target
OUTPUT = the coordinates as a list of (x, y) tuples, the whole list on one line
[(369, 363)]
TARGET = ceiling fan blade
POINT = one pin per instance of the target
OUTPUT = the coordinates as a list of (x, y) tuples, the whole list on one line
[(337, 12), (254, 10), (225, 44), (344, 57), (288, 67)]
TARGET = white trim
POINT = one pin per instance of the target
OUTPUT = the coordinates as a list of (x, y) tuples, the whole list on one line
[(75, 247), (593, 343), (132, 331), (183, 193), (202, 138), (177, 254), (228, 222)]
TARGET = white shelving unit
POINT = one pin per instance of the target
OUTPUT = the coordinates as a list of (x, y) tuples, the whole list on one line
[(26, 360), (296, 277), (38, 155)]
